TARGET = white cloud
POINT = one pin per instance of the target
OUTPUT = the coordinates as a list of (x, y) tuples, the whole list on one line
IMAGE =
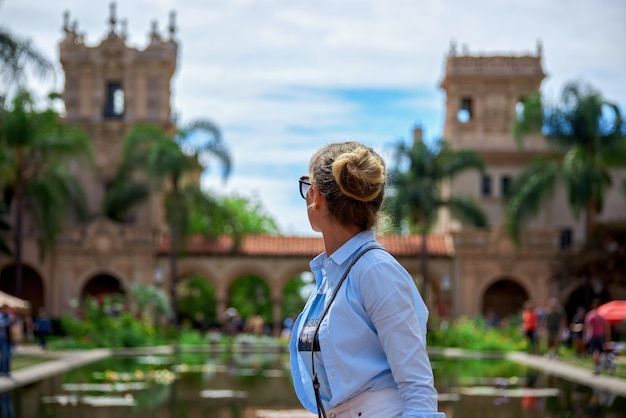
[(273, 74)]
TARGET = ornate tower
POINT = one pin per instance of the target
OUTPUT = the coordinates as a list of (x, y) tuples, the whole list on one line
[(482, 93), (482, 96), (111, 87)]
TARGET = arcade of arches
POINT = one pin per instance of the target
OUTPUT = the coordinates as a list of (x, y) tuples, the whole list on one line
[(464, 279)]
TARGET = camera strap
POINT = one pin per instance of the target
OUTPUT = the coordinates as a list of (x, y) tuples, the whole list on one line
[(321, 412)]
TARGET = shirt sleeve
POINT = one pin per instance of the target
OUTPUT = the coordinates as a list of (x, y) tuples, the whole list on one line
[(399, 316)]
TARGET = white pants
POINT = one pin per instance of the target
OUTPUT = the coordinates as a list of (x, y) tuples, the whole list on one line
[(385, 403)]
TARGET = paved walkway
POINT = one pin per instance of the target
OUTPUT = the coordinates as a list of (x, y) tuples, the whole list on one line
[(63, 361), (574, 373), (554, 367)]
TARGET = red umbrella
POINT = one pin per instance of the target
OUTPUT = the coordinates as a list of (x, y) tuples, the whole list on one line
[(614, 311)]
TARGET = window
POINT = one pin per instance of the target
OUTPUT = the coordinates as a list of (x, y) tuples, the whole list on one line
[(464, 114), (565, 238), (505, 186), (486, 186), (114, 107)]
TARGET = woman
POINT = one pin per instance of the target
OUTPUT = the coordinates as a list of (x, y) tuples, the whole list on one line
[(369, 349)]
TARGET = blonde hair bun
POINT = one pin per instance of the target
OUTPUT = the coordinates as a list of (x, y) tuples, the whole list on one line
[(360, 174)]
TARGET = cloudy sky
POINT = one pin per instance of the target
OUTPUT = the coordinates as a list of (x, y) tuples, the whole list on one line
[(283, 78)]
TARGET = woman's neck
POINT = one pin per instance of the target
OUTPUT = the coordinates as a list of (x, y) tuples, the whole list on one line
[(338, 235)]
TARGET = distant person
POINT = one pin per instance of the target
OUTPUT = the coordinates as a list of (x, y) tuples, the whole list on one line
[(555, 325), (358, 349), (597, 333), (43, 327), (491, 319), (530, 321), (6, 320), (576, 331)]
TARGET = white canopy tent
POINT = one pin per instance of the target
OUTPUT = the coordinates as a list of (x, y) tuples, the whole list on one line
[(13, 301)]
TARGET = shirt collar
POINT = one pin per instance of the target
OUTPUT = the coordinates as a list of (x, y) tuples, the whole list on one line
[(347, 250), (344, 252)]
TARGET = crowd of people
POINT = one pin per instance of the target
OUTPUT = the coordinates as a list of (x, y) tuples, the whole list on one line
[(587, 331)]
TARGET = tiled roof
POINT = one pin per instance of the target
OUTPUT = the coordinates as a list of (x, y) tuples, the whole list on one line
[(290, 246)]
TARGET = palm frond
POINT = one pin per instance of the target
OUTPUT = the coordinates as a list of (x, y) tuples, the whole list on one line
[(17, 55), (528, 193), (467, 210), (204, 138), (122, 197), (49, 197)]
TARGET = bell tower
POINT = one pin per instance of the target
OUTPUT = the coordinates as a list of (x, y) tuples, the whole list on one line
[(111, 87), (482, 93)]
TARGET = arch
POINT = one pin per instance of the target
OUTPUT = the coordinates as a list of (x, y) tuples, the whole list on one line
[(197, 301), (102, 285), (32, 288), (292, 302), (582, 295), (504, 296), (252, 288)]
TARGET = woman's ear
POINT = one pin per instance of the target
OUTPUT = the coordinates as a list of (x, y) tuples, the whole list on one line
[(317, 199)]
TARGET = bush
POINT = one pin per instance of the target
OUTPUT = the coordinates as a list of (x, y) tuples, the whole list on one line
[(472, 334)]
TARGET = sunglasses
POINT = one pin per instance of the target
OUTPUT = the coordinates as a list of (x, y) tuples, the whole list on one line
[(305, 185)]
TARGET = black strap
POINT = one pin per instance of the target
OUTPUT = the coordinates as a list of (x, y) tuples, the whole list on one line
[(321, 412)]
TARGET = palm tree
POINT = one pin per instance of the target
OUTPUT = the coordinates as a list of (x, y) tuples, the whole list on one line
[(16, 55), (416, 197), (155, 162), (34, 176), (589, 135)]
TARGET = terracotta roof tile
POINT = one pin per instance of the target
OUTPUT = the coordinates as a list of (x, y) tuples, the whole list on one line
[(290, 246)]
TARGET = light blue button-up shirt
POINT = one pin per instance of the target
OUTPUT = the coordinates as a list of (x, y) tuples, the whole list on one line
[(374, 335)]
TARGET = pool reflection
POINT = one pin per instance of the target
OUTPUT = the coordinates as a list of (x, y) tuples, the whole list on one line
[(259, 385)]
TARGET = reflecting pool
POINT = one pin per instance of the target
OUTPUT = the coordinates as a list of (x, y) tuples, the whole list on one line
[(498, 388), (258, 385)]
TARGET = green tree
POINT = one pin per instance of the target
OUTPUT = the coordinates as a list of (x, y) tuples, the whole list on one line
[(247, 215), (293, 300), (250, 295), (197, 300), (587, 133), (34, 175), (416, 178), (154, 162)]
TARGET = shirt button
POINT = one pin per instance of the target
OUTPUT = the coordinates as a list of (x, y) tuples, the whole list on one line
[(333, 415), (324, 342)]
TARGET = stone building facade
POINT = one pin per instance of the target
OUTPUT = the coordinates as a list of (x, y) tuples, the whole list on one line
[(483, 95), (111, 87)]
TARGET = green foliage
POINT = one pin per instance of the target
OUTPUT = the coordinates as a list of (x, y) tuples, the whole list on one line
[(16, 56), (472, 334), (416, 176), (588, 136), (250, 295), (530, 120), (244, 216), (35, 180), (197, 300), (292, 300), (106, 324)]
